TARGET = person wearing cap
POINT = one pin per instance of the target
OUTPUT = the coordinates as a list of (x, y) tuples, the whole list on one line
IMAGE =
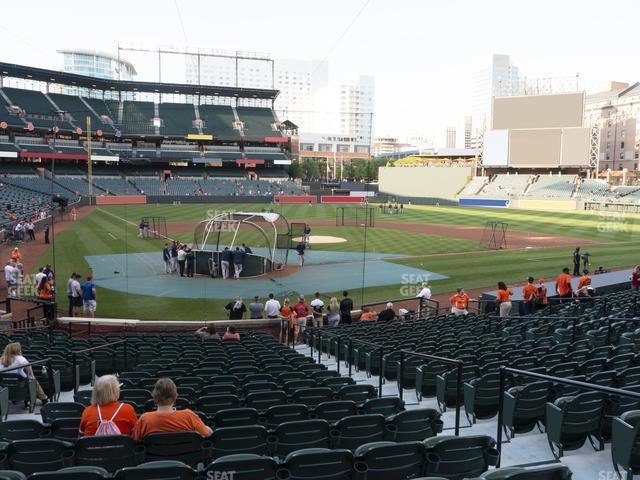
[(541, 299), (301, 313), (89, 297)]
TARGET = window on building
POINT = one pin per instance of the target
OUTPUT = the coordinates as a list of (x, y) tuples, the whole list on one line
[(621, 144)]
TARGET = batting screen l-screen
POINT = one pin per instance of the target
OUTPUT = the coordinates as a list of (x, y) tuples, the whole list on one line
[(538, 111)]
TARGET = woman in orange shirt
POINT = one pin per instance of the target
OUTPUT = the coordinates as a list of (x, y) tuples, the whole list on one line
[(105, 406), (504, 299)]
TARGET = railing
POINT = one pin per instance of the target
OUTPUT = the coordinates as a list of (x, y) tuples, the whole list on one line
[(421, 307), (458, 364), (539, 376), (74, 358)]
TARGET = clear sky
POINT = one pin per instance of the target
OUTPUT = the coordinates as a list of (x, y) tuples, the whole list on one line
[(422, 52)]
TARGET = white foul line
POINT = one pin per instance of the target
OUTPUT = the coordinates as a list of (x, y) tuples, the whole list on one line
[(112, 235)]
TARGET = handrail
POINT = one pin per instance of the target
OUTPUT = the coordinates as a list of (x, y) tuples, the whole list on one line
[(458, 363), (74, 358), (541, 376)]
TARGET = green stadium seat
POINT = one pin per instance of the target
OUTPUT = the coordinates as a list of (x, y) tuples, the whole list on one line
[(571, 420), (53, 410), (109, 452), (236, 417), (212, 404), (261, 401), (12, 475), (42, 455), (312, 396), (524, 407), (335, 410), (385, 406), (243, 466), (460, 457), (481, 396), (290, 436), (279, 414), (23, 430), (316, 463), (73, 473), (351, 432), (65, 428), (186, 447), (414, 425), (235, 440), (545, 472), (357, 393), (384, 460), (159, 470)]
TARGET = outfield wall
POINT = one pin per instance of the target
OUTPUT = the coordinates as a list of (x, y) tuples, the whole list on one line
[(433, 182)]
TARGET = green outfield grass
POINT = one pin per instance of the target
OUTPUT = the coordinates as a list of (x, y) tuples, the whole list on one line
[(107, 231)]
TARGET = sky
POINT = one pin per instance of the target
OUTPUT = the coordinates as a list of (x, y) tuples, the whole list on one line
[(421, 52)]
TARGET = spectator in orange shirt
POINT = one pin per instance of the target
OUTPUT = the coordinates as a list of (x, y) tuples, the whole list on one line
[(165, 418), (504, 299), (563, 284), (459, 302), (367, 314), (105, 406), (231, 334), (529, 296), (585, 279)]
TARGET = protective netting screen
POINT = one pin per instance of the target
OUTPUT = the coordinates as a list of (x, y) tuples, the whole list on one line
[(355, 217)]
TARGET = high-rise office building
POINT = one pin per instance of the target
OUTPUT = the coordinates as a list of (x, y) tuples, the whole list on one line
[(498, 77), (357, 99), (450, 137)]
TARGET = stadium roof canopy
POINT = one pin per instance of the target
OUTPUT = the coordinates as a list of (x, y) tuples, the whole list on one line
[(83, 81)]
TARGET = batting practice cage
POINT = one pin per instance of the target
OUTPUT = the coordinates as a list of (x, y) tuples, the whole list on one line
[(494, 235), (355, 217), (266, 234), (157, 226)]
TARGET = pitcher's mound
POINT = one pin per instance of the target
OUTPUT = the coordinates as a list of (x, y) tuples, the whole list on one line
[(315, 239)]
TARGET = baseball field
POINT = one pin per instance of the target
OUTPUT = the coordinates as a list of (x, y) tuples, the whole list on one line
[(384, 262)]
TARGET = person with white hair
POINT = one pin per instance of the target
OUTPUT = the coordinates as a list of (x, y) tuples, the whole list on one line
[(387, 314), (12, 276), (106, 409), (425, 292), (236, 309)]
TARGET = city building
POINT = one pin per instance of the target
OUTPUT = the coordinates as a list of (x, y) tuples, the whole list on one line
[(615, 110), (450, 137), (332, 146), (498, 77), (464, 133), (386, 146), (357, 108), (96, 64)]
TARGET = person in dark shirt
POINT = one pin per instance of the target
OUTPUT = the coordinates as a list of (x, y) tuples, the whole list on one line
[(346, 305), (238, 260), (387, 314), (225, 261), (576, 262), (191, 263), (246, 249), (300, 249), (166, 258), (236, 309), (174, 257)]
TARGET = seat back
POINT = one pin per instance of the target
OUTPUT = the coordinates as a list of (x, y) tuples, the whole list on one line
[(262, 400), (313, 463), (356, 430), (158, 470), (279, 414), (72, 473), (42, 455), (243, 466), (335, 410), (22, 430), (235, 440), (460, 457), (291, 436), (384, 460), (385, 406), (545, 472), (236, 417), (525, 405), (312, 396), (53, 410), (109, 452), (414, 425)]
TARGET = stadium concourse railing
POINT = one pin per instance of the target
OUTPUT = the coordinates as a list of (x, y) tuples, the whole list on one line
[(351, 342), (549, 378)]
